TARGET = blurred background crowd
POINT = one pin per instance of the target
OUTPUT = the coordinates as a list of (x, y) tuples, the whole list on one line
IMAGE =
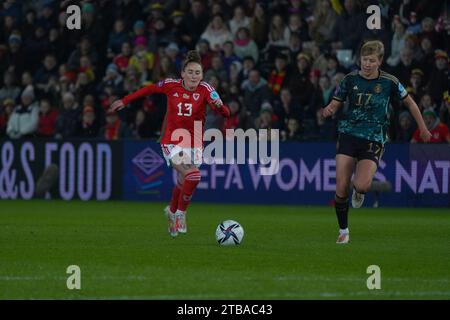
[(274, 63)]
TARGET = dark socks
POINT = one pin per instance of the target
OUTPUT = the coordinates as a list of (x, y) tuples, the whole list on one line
[(341, 207)]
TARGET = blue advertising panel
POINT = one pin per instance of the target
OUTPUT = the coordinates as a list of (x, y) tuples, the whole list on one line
[(418, 175), (84, 170), (145, 173)]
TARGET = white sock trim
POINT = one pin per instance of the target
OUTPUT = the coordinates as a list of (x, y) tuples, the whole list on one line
[(344, 231)]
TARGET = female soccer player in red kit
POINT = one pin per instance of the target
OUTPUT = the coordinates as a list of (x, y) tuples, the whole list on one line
[(181, 134)]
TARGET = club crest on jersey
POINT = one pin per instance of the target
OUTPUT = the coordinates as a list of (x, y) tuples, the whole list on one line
[(196, 96), (377, 88), (214, 95), (185, 96)]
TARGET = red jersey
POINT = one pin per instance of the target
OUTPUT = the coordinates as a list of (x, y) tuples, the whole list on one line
[(185, 110), (439, 134)]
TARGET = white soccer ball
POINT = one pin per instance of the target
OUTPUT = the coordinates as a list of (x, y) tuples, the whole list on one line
[(229, 233)]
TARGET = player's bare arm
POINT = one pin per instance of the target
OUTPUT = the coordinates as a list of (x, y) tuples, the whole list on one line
[(415, 112), (331, 108)]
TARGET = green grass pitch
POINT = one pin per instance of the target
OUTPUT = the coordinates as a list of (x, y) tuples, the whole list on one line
[(288, 252)]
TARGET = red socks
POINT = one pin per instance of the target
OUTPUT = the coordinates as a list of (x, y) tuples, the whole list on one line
[(191, 181), (175, 196)]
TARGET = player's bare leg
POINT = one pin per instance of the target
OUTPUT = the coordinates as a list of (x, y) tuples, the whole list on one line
[(344, 171), (365, 171)]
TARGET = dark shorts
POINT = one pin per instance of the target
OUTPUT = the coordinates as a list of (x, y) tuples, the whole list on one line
[(359, 148)]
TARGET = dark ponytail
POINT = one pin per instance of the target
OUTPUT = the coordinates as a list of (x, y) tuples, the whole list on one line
[(192, 56)]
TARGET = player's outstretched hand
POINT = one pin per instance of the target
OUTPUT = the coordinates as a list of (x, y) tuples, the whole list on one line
[(327, 111), (218, 103), (117, 105), (425, 135)]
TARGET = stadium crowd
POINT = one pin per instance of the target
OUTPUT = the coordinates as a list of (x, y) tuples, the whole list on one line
[(274, 63)]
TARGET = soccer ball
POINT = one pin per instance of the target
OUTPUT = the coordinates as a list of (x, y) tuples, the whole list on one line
[(229, 233)]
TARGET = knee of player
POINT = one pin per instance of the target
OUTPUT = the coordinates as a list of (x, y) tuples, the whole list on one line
[(192, 175), (361, 187)]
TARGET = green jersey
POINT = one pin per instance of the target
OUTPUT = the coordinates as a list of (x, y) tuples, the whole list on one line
[(367, 114)]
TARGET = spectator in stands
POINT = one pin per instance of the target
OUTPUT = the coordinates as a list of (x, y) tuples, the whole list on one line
[(85, 48), (16, 55), (266, 119), (35, 48), (296, 25), (164, 69), (177, 29), (173, 52), (47, 119), (88, 127), (142, 59), (438, 82), (237, 117), (141, 128), (444, 113), (406, 129), (117, 37), (286, 107), (112, 78), (278, 74), (244, 45), (138, 30), (114, 128), (333, 66), (348, 29), (439, 131), (123, 58), (68, 118), (397, 42), (194, 23), (248, 64), (403, 69), (48, 70), (217, 33), (279, 35), (255, 91), (259, 26), (83, 86), (160, 33), (319, 31), (416, 87), (217, 69), (239, 20), (427, 61), (319, 59), (293, 132), (234, 76), (228, 55), (23, 122), (5, 113), (297, 78), (426, 102), (414, 26), (327, 90), (9, 89), (295, 46), (206, 54), (428, 31)]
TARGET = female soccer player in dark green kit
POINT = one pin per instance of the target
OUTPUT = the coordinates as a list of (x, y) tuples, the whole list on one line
[(363, 129)]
